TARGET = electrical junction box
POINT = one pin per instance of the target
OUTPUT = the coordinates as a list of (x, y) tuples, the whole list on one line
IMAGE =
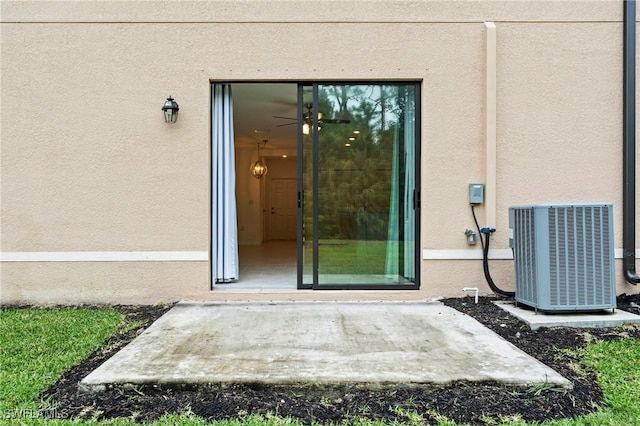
[(476, 193)]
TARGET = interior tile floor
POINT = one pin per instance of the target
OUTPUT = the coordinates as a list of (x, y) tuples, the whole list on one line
[(272, 266), (268, 266)]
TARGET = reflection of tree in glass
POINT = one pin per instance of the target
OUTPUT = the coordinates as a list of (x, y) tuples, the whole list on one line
[(355, 181)]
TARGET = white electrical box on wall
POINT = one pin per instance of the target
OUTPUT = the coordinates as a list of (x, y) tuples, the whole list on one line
[(476, 193)]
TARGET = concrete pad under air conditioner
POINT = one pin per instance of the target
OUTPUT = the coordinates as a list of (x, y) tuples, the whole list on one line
[(592, 319)]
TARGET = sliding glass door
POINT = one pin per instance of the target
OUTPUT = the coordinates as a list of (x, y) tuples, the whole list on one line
[(358, 199)]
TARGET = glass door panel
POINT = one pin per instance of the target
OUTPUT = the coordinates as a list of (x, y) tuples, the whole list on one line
[(359, 180)]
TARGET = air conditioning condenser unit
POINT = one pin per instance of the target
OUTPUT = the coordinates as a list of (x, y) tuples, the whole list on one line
[(563, 256)]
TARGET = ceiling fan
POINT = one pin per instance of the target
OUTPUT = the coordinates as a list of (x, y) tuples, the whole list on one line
[(307, 118)]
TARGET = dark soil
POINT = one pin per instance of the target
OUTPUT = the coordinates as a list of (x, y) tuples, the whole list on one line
[(464, 402)]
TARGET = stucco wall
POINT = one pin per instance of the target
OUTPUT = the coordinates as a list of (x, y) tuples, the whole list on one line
[(89, 166)]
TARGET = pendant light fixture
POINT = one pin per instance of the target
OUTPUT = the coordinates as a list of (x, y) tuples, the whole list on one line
[(259, 169)]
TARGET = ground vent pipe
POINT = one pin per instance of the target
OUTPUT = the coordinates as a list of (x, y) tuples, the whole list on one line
[(475, 290), (629, 141)]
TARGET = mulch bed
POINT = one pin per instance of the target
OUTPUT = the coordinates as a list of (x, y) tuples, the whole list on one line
[(464, 402)]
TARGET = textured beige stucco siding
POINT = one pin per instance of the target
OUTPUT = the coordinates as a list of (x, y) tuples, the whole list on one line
[(428, 11), (88, 165), (75, 283)]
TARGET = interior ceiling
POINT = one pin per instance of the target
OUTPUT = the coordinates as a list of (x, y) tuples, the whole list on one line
[(254, 105)]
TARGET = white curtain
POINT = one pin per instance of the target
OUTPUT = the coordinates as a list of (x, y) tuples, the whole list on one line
[(224, 228), (403, 145), (409, 186), (393, 244)]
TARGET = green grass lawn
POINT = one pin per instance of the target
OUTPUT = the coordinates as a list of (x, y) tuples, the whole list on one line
[(39, 344), (349, 257), (36, 346)]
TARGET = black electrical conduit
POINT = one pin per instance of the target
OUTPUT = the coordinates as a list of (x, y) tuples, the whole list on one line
[(629, 140), (484, 241)]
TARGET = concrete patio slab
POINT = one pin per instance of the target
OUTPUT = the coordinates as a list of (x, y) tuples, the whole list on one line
[(318, 343), (599, 319)]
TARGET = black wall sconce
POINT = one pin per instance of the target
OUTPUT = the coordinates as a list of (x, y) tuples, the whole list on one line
[(170, 110)]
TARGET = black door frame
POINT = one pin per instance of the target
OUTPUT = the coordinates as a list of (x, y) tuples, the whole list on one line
[(315, 158)]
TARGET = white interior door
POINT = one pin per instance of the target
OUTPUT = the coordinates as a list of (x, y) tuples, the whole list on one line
[(283, 209)]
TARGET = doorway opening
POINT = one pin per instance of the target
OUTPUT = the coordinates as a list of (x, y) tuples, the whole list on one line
[(339, 205), (266, 207), (270, 262)]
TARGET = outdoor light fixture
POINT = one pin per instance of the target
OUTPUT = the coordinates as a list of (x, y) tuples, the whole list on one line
[(259, 169), (170, 109)]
